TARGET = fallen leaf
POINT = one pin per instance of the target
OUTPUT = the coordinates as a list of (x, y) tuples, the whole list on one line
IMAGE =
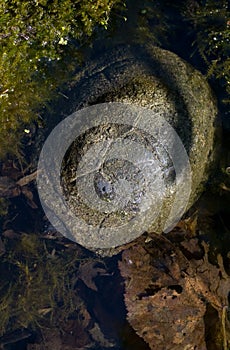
[(166, 294), (89, 270)]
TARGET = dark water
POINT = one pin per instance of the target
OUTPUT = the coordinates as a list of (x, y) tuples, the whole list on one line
[(159, 22)]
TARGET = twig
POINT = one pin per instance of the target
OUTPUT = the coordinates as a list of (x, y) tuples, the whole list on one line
[(27, 179), (223, 319)]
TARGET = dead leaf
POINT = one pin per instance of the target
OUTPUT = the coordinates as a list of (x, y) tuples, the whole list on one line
[(191, 248), (89, 270), (189, 225), (166, 294), (74, 334), (99, 337), (69, 334), (11, 234)]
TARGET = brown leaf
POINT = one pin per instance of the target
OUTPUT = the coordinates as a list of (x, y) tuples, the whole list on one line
[(88, 271), (11, 234), (188, 225), (75, 334), (166, 294), (191, 248)]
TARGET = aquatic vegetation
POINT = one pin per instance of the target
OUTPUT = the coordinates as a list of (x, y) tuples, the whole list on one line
[(38, 283), (141, 21), (3, 206), (211, 20), (36, 37), (153, 26)]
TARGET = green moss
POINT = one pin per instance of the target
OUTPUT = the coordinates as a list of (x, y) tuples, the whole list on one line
[(35, 39)]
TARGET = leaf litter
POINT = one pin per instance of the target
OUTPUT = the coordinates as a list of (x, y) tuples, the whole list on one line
[(170, 288)]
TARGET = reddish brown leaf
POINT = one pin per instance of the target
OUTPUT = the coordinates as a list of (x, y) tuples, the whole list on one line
[(166, 294), (88, 271)]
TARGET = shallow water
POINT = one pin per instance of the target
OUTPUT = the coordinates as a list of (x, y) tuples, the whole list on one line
[(160, 23)]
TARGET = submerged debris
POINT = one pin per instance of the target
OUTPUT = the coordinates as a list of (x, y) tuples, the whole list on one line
[(168, 294)]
